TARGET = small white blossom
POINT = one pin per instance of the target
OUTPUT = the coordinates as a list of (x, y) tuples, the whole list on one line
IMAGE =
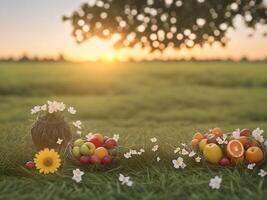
[(128, 155), (77, 124), (177, 150), (198, 159), (125, 180), (155, 148), (262, 173), (35, 109), (44, 107), (77, 175), (59, 141), (153, 139), (179, 162), (72, 111), (251, 166), (158, 159), (53, 106), (116, 137), (184, 152), (89, 136), (215, 183), (257, 134), (133, 152), (61, 106), (192, 153), (222, 140), (236, 134), (183, 144), (79, 132), (142, 150)]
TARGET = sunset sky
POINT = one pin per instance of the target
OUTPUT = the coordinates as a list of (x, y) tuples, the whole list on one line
[(35, 27)]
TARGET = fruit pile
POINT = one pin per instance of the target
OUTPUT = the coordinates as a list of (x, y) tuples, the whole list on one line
[(228, 149), (94, 150)]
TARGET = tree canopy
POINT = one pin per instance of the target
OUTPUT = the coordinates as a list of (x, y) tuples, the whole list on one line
[(158, 24)]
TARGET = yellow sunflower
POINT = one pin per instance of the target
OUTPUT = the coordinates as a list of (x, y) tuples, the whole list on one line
[(47, 161)]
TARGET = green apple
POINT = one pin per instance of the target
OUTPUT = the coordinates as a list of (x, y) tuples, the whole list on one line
[(202, 144), (76, 152), (91, 147), (84, 149), (79, 142)]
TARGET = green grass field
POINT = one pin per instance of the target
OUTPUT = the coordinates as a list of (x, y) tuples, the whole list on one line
[(169, 101)]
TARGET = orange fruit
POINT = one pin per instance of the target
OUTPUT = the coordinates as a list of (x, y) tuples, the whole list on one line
[(194, 142), (243, 140), (101, 152), (198, 136), (235, 149), (254, 155), (217, 132), (99, 136)]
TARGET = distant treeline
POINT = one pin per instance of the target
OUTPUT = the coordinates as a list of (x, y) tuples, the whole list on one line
[(26, 58), (61, 58)]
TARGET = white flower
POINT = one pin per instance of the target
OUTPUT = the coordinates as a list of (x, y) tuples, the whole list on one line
[(52, 106), (236, 134), (88, 136), (262, 173), (77, 175), (72, 111), (183, 144), (222, 140), (59, 141), (251, 166), (184, 152), (116, 137), (35, 109), (215, 183), (133, 152), (125, 180), (177, 150), (192, 153), (257, 134), (158, 159), (265, 143), (77, 124), (128, 155), (179, 162), (153, 139), (142, 150), (198, 159), (44, 107), (78, 132), (61, 106), (155, 148)]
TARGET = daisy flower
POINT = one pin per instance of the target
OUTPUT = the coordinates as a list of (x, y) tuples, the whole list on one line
[(72, 111), (77, 124), (153, 139), (77, 175), (179, 163), (215, 183), (59, 141), (251, 166), (262, 173), (155, 148), (125, 180)]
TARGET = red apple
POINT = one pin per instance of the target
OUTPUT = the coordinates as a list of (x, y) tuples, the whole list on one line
[(110, 143), (106, 160), (224, 162), (95, 160), (30, 165), (245, 132), (96, 141), (85, 160)]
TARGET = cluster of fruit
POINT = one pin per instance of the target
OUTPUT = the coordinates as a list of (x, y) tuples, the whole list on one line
[(227, 149), (95, 150)]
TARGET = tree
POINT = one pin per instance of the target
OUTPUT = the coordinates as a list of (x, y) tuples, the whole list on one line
[(157, 24)]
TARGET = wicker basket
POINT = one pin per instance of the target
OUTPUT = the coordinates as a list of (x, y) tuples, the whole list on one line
[(46, 131)]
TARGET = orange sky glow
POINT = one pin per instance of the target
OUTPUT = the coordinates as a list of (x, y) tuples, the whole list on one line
[(42, 33)]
